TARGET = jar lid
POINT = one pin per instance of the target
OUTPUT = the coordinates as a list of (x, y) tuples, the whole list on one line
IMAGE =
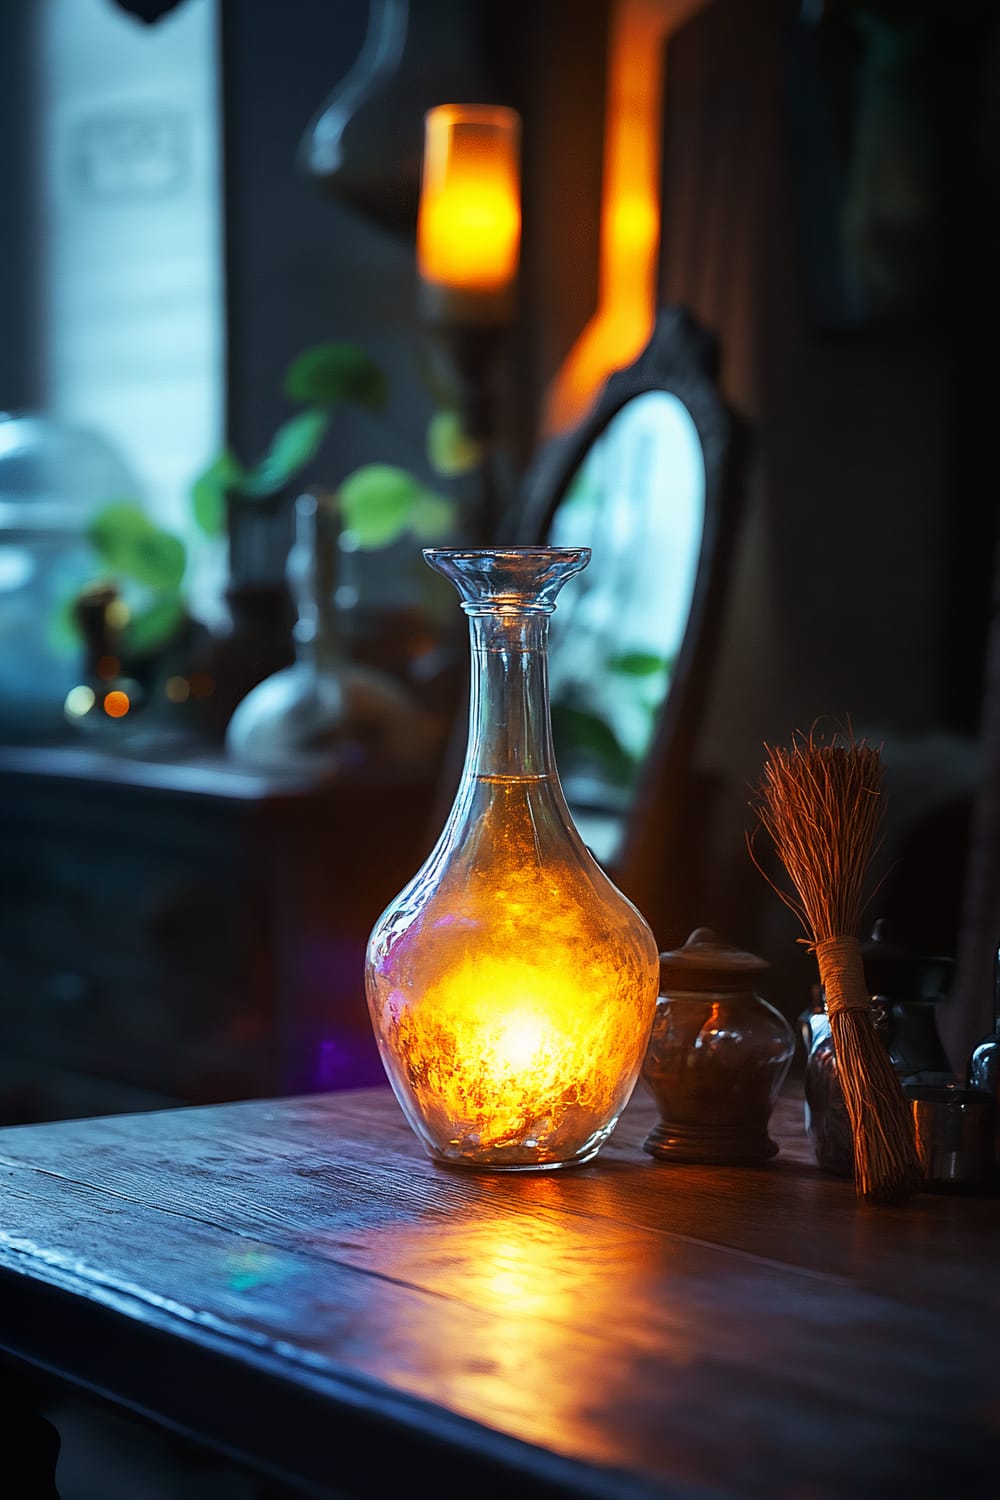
[(900, 973), (707, 962)]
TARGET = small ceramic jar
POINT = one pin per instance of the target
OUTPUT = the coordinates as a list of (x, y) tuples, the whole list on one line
[(717, 1056)]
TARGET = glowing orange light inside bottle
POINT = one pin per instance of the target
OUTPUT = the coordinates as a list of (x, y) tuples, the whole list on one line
[(537, 1052), (469, 223), (116, 704)]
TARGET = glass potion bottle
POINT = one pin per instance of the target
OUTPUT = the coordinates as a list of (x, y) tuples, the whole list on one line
[(326, 714), (511, 986)]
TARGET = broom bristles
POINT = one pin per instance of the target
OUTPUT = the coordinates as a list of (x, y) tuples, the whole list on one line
[(886, 1166), (821, 806)]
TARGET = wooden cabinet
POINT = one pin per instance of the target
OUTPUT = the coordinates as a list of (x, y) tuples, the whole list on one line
[(187, 932)]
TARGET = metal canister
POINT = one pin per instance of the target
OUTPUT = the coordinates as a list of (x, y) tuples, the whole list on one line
[(954, 1130)]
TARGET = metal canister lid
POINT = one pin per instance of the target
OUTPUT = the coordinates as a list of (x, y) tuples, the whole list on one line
[(707, 962), (901, 973)]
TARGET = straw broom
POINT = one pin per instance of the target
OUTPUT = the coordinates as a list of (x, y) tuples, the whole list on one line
[(821, 805)]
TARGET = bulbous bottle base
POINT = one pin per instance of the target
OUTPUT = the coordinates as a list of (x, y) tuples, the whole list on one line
[(519, 1158), (460, 1164)]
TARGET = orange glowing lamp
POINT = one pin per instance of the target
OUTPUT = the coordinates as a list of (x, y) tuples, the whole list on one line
[(469, 221)]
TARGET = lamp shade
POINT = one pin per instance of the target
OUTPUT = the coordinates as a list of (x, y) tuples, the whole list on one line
[(469, 221)]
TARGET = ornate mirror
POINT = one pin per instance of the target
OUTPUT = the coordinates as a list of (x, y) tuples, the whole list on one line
[(647, 482)]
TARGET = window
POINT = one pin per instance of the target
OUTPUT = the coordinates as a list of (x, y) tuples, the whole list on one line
[(131, 306)]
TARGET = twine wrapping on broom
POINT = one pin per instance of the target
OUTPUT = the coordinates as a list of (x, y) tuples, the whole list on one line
[(821, 806)]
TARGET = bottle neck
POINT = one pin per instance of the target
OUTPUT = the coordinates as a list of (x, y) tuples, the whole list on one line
[(510, 733), (318, 646), (312, 571)]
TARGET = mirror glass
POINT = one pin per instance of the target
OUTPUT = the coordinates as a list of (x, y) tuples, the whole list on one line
[(638, 502)]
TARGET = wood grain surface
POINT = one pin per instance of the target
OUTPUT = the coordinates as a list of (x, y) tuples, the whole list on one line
[(292, 1282)]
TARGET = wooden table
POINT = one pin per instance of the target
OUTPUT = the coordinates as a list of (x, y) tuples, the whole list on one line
[(292, 1283)]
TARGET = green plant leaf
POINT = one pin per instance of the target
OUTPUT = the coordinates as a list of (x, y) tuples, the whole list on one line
[(209, 491), (129, 543), (150, 629), (450, 450), (293, 445), (114, 528), (331, 373), (637, 663), (432, 516), (158, 558), (378, 502), (581, 732)]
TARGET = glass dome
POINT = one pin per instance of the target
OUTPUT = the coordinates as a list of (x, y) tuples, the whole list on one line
[(53, 478)]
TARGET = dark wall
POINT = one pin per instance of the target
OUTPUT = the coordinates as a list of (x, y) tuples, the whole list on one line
[(552, 60), (19, 377), (302, 268), (870, 497)]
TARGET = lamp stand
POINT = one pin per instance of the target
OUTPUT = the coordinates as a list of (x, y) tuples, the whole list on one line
[(473, 358)]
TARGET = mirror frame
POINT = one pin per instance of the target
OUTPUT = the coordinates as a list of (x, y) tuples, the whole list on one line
[(661, 835)]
